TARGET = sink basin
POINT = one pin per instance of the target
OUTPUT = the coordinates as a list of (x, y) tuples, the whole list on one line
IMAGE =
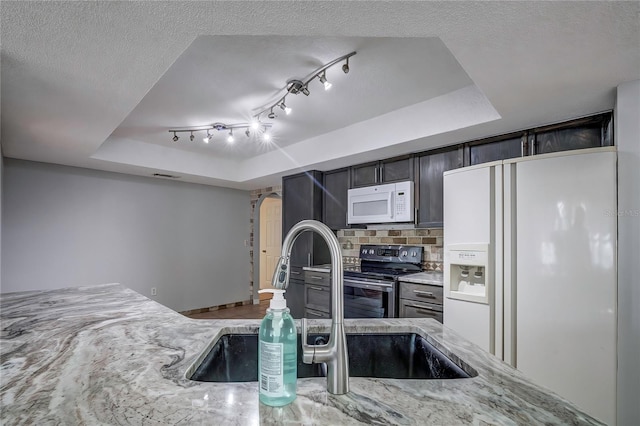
[(234, 358)]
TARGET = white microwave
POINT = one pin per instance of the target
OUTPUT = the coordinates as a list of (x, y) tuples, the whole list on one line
[(392, 202)]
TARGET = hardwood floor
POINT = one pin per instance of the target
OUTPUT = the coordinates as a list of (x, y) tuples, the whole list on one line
[(239, 312)]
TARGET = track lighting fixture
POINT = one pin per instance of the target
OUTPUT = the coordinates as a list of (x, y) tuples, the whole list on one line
[(256, 126), (295, 86)]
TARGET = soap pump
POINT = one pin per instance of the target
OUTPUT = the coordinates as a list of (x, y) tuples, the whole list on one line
[(277, 353)]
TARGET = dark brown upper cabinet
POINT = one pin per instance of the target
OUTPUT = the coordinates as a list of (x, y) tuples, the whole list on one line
[(334, 205), (589, 132), (302, 199), (430, 190), (395, 169)]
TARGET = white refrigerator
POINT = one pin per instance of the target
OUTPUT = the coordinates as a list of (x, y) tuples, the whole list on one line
[(530, 269)]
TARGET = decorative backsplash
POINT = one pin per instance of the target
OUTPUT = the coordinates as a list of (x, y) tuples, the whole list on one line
[(429, 238)]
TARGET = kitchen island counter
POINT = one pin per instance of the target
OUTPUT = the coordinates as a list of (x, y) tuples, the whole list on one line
[(107, 355)]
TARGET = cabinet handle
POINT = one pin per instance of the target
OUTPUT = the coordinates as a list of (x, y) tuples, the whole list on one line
[(294, 273), (421, 310), (381, 174), (424, 293), (316, 288), (315, 277), (375, 177), (308, 259), (313, 313), (420, 307)]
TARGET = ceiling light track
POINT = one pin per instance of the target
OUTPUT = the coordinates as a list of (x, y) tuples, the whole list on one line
[(255, 127), (296, 87)]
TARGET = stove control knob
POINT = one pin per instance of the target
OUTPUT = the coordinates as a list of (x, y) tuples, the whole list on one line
[(413, 254), (404, 253), (371, 251)]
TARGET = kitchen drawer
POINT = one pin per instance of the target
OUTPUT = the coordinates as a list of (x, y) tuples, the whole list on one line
[(317, 278), (421, 292), (413, 309), (312, 313), (296, 272), (317, 297)]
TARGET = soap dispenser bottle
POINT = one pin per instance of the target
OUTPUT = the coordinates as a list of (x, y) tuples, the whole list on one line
[(277, 353)]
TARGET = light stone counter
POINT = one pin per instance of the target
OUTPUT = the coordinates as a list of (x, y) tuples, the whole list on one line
[(107, 355), (432, 278)]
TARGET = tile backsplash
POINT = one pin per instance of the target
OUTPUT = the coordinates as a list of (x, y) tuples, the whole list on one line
[(431, 239)]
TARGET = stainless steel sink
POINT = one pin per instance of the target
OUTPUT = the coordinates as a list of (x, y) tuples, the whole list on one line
[(234, 358)]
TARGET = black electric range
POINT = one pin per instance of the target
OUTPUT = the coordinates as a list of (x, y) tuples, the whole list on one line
[(371, 287)]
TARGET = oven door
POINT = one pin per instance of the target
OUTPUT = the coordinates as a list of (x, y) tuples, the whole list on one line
[(369, 298)]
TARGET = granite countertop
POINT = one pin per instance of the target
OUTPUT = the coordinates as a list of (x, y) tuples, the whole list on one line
[(108, 355), (318, 268), (432, 278)]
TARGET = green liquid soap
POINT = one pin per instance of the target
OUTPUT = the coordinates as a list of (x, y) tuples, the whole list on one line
[(277, 354)]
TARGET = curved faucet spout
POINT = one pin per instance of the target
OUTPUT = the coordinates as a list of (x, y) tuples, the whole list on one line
[(334, 353)]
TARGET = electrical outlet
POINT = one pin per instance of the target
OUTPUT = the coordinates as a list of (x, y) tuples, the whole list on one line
[(154, 291)]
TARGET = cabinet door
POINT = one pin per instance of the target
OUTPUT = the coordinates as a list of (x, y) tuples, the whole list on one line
[(295, 298), (336, 185), (301, 200), (396, 169), (430, 184), (296, 206), (496, 150), (364, 174)]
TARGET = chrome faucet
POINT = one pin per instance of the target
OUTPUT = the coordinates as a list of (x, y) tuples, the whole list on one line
[(334, 353)]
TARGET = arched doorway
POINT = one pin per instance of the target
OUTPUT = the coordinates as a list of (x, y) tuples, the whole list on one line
[(268, 242)]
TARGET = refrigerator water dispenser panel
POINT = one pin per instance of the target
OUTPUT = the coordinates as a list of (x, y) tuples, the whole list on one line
[(466, 275)]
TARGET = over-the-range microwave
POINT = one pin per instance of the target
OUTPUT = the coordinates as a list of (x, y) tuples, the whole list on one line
[(392, 202)]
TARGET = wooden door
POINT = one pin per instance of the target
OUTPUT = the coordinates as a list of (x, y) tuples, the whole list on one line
[(270, 239)]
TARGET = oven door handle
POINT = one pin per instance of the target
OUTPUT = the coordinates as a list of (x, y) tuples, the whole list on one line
[(368, 285)]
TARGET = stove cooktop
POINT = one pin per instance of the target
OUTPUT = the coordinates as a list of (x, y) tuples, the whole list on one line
[(386, 262)]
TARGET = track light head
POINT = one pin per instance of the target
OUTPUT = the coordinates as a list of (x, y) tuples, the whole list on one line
[(207, 138), (305, 91), (271, 115), (266, 136), (230, 138), (255, 124), (286, 109), (191, 137), (345, 67), (323, 80), (247, 132), (175, 137)]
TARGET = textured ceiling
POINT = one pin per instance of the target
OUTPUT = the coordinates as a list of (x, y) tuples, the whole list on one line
[(85, 83)]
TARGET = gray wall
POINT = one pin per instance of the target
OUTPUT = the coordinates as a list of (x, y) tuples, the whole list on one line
[(66, 227), (627, 135)]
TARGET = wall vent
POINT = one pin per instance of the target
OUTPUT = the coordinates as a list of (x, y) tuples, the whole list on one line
[(164, 175)]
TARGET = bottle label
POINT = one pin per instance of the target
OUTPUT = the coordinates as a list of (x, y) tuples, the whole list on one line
[(271, 372)]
